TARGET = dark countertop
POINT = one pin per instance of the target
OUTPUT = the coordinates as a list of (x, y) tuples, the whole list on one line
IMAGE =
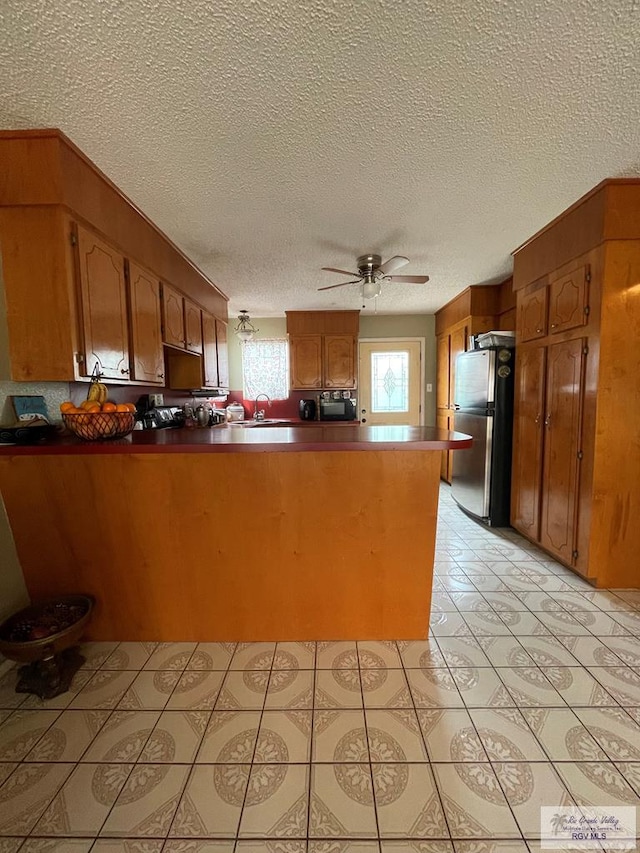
[(252, 439)]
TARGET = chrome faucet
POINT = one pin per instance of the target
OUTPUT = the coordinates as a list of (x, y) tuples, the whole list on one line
[(258, 414)]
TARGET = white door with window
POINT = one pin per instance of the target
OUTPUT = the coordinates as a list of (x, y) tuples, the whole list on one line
[(390, 382)]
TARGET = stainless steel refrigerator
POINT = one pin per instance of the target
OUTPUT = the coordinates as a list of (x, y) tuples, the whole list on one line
[(483, 403)]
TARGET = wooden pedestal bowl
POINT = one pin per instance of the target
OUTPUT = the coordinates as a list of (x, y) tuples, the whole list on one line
[(42, 636)]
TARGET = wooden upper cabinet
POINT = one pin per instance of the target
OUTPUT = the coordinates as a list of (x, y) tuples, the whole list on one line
[(103, 307), (529, 402), (173, 317), (147, 363), (209, 350), (568, 307), (223, 354), (339, 361), (532, 313), (458, 344), (562, 427), (443, 372), (192, 326), (305, 352)]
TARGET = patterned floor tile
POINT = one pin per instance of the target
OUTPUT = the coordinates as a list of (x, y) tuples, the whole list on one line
[(473, 801), (407, 803), (378, 655), (562, 735), (173, 656), (621, 682), (96, 654), (340, 655), (212, 656), (176, 845), (69, 736), (243, 690), (176, 737), (480, 687), (339, 736), (230, 737), (449, 625), (589, 651), (614, 730), (249, 656), (341, 804), (385, 688), (294, 656), (394, 736), (528, 787), (577, 687), (505, 735), (627, 649), (6, 769), (212, 801), (505, 651), (84, 801), (104, 689), (277, 802), (631, 772), (450, 736), (27, 793), (284, 737), (421, 654), (596, 783), (433, 688), (59, 845), (129, 656), (417, 846), (462, 651), (290, 688), (23, 731), (487, 624), (123, 737), (196, 690), (147, 803), (338, 688), (529, 687), (150, 690), (62, 700)]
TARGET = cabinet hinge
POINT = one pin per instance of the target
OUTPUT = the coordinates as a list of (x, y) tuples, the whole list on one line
[(78, 357), (587, 276), (585, 350), (587, 310), (73, 238), (580, 454), (574, 554)]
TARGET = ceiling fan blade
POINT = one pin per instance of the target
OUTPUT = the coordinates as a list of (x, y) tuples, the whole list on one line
[(331, 286), (392, 264), (333, 269), (408, 279)]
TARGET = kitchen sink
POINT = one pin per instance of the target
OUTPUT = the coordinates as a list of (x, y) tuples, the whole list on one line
[(267, 422)]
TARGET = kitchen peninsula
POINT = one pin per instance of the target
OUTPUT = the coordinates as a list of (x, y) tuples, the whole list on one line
[(314, 533)]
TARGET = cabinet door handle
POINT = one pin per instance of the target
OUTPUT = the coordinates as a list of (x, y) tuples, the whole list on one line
[(537, 419), (547, 421), (160, 375), (539, 331), (124, 371), (553, 325)]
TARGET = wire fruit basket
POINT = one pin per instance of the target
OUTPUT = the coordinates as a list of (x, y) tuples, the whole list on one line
[(96, 426)]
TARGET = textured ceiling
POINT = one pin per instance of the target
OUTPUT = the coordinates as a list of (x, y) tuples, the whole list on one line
[(269, 138)]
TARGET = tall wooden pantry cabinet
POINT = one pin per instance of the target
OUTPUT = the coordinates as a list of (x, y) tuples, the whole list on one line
[(576, 458)]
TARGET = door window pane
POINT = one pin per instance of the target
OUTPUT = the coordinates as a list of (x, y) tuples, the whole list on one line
[(389, 381)]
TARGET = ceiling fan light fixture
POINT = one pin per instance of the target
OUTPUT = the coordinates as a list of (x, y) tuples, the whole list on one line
[(245, 329), (371, 288)]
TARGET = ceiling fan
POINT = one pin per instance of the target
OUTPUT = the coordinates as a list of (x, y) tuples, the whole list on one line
[(372, 272)]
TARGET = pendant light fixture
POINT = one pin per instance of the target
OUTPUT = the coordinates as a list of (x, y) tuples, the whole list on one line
[(245, 330)]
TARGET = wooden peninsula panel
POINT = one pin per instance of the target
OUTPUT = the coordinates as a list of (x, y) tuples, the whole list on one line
[(232, 546)]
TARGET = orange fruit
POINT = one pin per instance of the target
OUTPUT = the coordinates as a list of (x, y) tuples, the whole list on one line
[(93, 409), (67, 406), (131, 407), (109, 407), (86, 404), (122, 407)]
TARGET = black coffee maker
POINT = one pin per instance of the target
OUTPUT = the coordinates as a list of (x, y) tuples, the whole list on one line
[(307, 410)]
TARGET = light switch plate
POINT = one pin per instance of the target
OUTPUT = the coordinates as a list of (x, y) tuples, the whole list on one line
[(156, 399), (429, 387)]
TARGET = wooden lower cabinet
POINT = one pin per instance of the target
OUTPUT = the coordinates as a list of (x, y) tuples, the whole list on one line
[(562, 434), (547, 445), (445, 421), (527, 433), (147, 364), (104, 319)]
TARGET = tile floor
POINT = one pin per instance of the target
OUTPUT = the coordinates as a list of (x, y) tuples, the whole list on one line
[(526, 693)]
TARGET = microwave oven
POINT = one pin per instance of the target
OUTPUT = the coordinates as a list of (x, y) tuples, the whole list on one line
[(338, 410)]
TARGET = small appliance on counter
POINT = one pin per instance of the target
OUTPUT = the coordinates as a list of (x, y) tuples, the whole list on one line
[(235, 412), (308, 410), (159, 417), (337, 406)]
